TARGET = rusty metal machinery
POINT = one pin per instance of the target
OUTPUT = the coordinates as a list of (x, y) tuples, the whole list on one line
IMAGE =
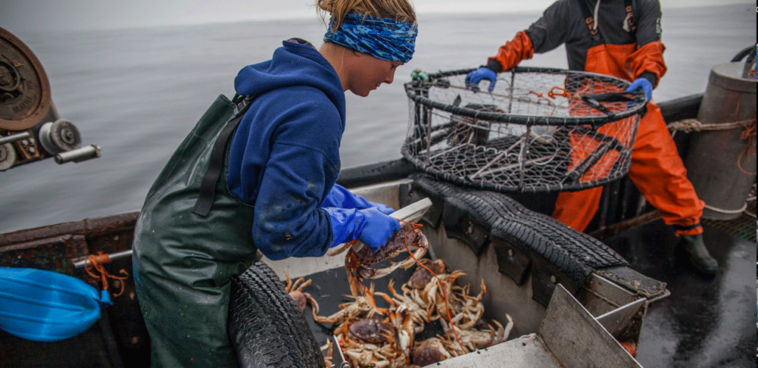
[(30, 128)]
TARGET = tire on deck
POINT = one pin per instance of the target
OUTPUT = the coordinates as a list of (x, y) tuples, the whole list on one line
[(526, 242), (265, 325)]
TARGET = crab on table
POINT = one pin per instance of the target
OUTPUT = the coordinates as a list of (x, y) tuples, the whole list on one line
[(374, 330), (470, 311), (473, 339), (359, 307), (439, 293), (411, 304), (429, 351), (421, 277), (296, 292), (406, 315), (371, 355)]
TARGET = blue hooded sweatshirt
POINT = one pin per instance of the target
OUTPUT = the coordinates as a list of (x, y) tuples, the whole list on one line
[(284, 157)]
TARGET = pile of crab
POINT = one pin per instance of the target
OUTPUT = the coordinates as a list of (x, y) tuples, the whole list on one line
[(373, 336)]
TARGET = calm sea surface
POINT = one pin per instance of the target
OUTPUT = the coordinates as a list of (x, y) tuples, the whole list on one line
[(138, 92)]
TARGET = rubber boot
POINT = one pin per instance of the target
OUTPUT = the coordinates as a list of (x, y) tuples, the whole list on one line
[(692, 248)]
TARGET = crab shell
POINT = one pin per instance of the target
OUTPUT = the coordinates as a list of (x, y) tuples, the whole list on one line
[(408, 233), (301, 299), (429, 351), (421, 276), (372, 330)]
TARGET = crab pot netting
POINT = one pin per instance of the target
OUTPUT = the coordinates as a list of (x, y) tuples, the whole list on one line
[(539, 130)]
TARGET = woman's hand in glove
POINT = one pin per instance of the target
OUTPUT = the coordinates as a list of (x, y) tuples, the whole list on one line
[(378, 228)]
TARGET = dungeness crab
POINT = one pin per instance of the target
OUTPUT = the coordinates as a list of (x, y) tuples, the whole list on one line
[(296, 292), (359, 258), (430, 351), (372, 330)]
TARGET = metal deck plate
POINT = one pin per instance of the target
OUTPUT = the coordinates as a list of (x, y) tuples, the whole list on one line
[(525, 351)]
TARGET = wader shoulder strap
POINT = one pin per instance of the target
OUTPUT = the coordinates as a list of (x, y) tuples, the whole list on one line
[(216, 162), (630, 22), (589, 19)]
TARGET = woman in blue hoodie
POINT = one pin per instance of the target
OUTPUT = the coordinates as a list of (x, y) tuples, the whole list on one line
[(266, 184)]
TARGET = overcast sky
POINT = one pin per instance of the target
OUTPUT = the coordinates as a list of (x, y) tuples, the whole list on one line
[(64, 15)]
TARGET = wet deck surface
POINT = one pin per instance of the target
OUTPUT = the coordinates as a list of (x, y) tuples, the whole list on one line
[(705, 322)]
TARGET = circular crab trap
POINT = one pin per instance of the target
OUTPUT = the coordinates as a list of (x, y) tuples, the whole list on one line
[(539, 130)]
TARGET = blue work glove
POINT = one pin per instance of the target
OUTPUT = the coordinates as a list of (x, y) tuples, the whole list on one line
[(644, 85), (378, 229), (382, 208), (340, 197), (473, 78), (370, 225)]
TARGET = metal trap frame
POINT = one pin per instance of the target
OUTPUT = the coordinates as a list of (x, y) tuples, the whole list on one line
[(539, 130)]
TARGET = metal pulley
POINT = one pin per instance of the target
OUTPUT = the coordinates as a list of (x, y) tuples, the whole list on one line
[(7, 156), (60, 136), (24, 88)]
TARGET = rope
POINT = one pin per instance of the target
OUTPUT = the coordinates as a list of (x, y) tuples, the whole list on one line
[(727, 212), (694, 125), (748, 133), (96, 262), (442, 286)]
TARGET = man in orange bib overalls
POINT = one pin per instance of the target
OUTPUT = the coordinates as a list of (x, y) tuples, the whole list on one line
[(621, 38)]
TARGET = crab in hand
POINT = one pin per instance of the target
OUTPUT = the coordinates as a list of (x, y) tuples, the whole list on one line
[(360, 257)]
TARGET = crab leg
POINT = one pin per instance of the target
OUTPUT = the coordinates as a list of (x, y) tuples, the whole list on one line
[(508, 328), (340, 248), (298, 286), (408, 262), (288, 287)]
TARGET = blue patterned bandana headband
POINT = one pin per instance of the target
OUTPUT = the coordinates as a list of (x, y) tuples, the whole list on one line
[(382, 38)]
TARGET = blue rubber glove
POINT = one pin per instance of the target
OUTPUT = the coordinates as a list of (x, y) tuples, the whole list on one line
[(473, 78), (644, 85), (379, 228), (370, 225), (343, 198), (382, 208)]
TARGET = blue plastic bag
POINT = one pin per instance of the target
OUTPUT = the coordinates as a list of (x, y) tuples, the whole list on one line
[(47, 306)]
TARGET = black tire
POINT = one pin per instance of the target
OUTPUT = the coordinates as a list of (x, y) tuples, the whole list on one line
[(573, 254), (265, 325)]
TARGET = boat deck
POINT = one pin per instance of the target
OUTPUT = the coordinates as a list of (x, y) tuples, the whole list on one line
[(705, 322)]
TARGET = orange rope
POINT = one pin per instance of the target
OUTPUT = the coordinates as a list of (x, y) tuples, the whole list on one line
[(748, 133), (442, 287), (561, 92), (96, 262)]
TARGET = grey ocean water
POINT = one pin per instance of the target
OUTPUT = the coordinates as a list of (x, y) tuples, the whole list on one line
[(138, 92)]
